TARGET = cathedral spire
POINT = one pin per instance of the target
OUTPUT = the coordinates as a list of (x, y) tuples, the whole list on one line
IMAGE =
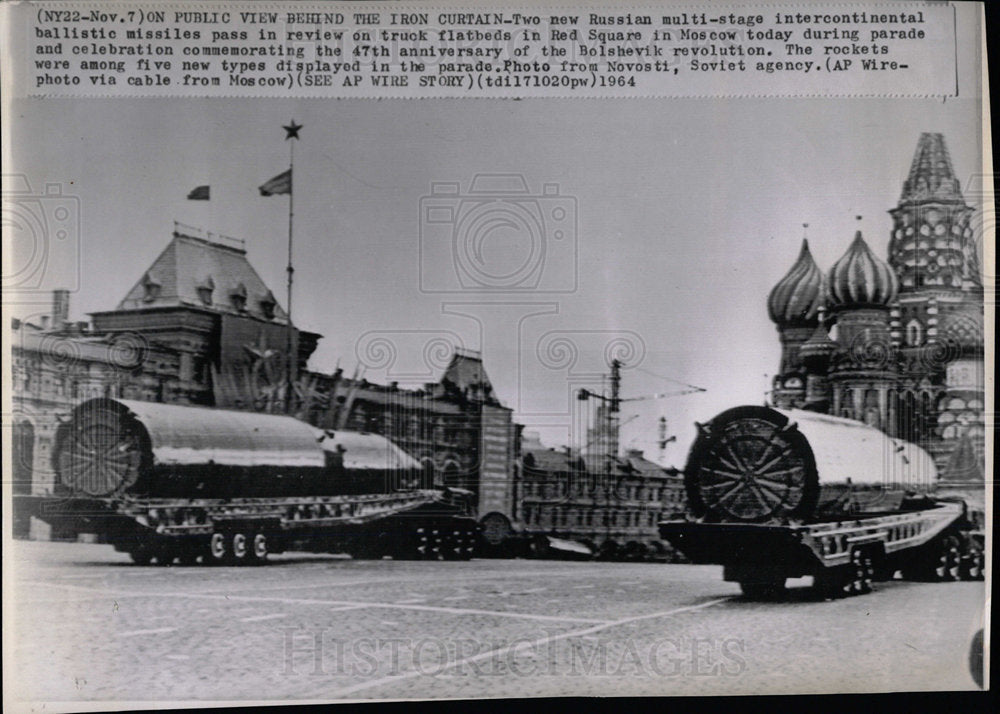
[(931, 177), (932, 243)]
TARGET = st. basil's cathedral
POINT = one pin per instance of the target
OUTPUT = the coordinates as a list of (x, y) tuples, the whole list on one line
[(897, 345)]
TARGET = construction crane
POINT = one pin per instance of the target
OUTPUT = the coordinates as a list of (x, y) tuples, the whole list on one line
[(614, 402)]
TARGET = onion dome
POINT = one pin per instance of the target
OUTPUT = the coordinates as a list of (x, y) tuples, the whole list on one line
[(859, 279), (798, 296), (962, 329)]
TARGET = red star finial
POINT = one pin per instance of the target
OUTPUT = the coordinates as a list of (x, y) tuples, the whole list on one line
[(292, 130)]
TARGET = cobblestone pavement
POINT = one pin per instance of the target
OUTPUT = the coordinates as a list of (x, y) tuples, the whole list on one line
[(83, 623)]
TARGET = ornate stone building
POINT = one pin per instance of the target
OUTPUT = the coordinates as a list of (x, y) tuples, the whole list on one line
[(896, 344)]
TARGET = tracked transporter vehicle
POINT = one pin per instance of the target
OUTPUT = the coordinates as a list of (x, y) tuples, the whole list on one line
[(776, 494), (169, 483)]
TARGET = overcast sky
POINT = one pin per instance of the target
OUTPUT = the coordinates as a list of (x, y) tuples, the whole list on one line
[(687, 213)]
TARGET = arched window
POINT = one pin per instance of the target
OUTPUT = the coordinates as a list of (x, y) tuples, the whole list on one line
[(914, 333)]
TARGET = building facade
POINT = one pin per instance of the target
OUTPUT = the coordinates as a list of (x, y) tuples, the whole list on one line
[(897, 343), (612, 505), (456, 427)]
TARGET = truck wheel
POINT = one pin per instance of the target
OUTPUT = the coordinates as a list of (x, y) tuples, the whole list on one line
[(469, 544), (364, 547), (438, 539), (829, 583), (188, 554), (405, 543), (915, 568), (240, 552), (861, 573), (165, 553), (973, 564), (218, 549), (496, 529), (763, 590), (451, 545), (539, 547), (947, 560), (142, 554), (871, 573), (258, 548), (428, 544), (384, 544)]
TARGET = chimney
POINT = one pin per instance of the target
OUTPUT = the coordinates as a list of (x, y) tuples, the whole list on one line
[(60, 308), (44, 319), (634, 453)]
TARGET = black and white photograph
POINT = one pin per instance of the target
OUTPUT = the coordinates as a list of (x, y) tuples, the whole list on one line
[(322, 397)]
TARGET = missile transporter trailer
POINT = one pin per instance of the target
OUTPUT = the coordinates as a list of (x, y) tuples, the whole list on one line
[(168, 483), (776, 494)]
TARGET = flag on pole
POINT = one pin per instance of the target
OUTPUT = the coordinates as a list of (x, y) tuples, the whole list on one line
[(199, 194), (282, 183)]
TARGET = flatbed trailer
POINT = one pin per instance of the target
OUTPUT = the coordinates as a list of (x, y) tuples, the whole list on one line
[(419, 524), (927, 539)]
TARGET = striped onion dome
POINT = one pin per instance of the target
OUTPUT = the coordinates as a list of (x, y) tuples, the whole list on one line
[(860, 279), (798, 296)]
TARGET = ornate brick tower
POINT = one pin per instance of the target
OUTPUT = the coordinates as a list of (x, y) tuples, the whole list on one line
[(938, 322), (794, 305), (862, 376)]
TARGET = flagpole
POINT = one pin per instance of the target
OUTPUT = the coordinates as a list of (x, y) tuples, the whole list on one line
[(290, 270)]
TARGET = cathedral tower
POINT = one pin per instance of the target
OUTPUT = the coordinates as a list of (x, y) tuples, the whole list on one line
[(860, 290), (938, 323)]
